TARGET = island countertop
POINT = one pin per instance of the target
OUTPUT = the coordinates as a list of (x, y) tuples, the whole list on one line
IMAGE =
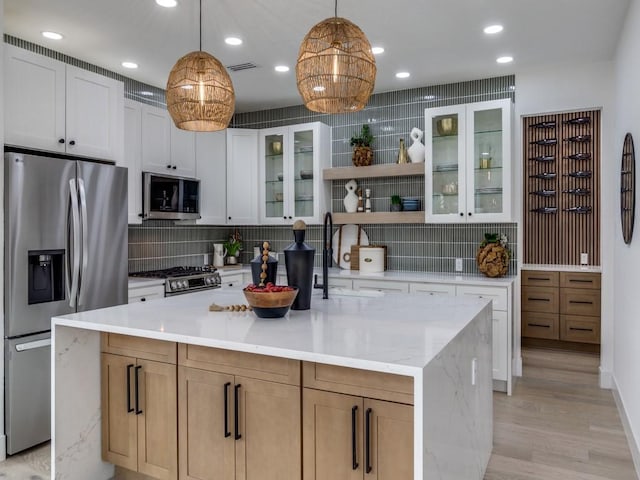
[(394, 333)]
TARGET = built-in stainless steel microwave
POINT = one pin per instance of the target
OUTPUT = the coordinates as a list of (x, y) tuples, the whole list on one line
[(170, 198)]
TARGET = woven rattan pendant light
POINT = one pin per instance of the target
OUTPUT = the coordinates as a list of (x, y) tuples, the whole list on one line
[(200, 95), (336, 70)]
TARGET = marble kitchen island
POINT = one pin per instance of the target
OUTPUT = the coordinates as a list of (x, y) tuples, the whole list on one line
[(443, 343)]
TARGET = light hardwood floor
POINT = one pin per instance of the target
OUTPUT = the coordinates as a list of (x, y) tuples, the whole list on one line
[(558, 424)]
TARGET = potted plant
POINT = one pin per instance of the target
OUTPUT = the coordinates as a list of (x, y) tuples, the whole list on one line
[(233, 247), (362, 152), (396, 204)]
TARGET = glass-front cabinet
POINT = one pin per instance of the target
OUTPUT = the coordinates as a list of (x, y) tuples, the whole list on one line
[(291, 186), (468, 175)]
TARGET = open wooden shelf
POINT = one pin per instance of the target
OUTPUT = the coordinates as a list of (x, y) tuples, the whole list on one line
[(379, 217), (373, 171)]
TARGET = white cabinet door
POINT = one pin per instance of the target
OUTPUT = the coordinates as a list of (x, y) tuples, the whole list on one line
[(497, 294), (156, 140), (211, 170), (133, 158), (231, 279), (432, 288), (183, 152), (34, 100), (468, 160), (500, 345), (95, 115), (381, 286), (145, 294), (242, 176)]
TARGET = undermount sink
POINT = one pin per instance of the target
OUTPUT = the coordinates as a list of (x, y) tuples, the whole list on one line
[(347, 292)]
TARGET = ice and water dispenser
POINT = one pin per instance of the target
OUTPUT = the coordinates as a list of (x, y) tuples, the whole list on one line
[(46, 276)]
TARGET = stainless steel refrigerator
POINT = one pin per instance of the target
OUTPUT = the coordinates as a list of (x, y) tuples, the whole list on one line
[(65, 252)]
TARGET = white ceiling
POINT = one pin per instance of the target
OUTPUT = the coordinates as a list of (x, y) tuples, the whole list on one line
[(437, 41)]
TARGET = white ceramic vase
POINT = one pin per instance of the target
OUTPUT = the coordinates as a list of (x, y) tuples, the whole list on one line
[(351, 199), (416, 150)]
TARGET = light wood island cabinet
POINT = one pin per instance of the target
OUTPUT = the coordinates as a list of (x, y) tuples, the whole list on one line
[(139, 405)]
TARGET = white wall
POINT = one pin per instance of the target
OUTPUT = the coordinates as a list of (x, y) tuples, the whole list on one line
[(570, 87), (626, 278)]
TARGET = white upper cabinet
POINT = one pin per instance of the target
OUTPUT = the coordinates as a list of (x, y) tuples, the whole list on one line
[(242, 176), (211, 170), (133, 157), (60, 108), (290, 165), (468, 163), (166, 149)]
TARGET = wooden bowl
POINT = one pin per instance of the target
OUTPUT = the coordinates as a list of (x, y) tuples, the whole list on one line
[(270, 304)]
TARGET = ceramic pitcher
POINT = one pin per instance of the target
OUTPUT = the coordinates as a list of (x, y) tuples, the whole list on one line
[(416, 150)]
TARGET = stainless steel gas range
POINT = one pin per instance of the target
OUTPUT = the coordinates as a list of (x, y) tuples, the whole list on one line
[(181, 280)]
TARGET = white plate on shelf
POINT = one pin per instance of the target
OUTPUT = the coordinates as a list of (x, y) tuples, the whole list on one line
[(343, 243)]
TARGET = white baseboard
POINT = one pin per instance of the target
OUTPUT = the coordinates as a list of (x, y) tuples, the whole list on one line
[(606, 378), (3, 448), (633, 444)]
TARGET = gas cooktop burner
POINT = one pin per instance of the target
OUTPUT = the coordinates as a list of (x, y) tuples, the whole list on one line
[(184, 279), (174, 272)]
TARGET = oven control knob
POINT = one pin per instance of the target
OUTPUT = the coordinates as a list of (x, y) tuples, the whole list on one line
[(184, 284), (174, 285)]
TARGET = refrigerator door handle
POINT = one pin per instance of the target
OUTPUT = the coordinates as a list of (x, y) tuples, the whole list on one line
[(85, 236), (21, 347), (75, 271)]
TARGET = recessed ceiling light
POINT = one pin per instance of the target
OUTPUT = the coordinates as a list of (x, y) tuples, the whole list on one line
[(493, 29), (505, 59), (403, 75), (377, 50), (281, 68), (146, 93), (319, 88), (233, 41), (129, 65), (167, 3), (52, 35)]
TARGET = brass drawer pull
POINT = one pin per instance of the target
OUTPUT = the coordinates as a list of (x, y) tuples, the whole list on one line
[(582, 302), (538, 325), (581, 329)]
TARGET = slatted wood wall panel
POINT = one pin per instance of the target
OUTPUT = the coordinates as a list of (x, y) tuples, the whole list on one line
[(561, 235)]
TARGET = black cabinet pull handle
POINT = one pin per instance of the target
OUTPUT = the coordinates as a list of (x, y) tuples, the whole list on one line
[(534, 299), (227, 433), (461, 214), (137, 384), (72, 143), (285, 217), (354, 455), (542, 279), (538, 325), (143, 299), (129, 367), (174, 167), (61, 140), (236, 414), (582, 302), (367, 442), (578, 280), (581, 329), (470, 214), (168, 166)]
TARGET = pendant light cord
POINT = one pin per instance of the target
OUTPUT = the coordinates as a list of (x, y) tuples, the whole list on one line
[(336, 9), (201, 23)]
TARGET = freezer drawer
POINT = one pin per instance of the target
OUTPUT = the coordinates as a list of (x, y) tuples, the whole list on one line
[(27, 391)]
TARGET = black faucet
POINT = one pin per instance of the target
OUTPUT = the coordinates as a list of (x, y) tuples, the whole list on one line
[(327, 255)]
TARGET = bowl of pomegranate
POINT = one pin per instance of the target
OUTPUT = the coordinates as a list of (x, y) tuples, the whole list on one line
[(270, 301)]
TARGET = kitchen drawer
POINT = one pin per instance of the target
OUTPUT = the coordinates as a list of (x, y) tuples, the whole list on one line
[(252, 365), (577, 328), (381, 286), (577, 301), (541, 299), (540, 278), (144, 294), (139, 347), (580, 280), (541, 325), (352, 381), (432, 288), (232, 279), (497, 294)]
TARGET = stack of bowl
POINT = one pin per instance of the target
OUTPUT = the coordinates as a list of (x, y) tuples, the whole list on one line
[(410, 204)]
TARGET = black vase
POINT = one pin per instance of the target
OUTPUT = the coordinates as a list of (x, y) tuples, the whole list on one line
[(298, 258), (256, 270)]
